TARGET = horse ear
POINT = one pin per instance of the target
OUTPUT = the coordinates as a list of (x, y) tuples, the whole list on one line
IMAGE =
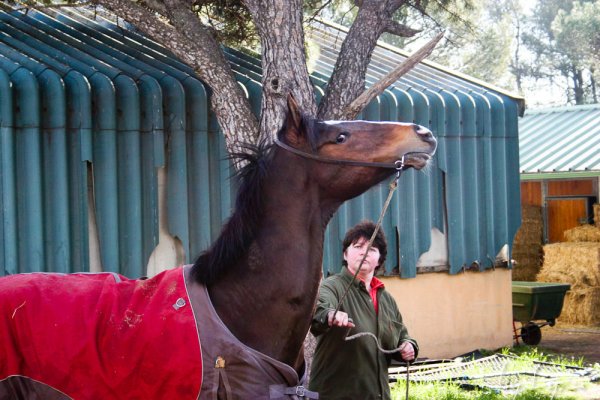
[(293, 110), (293, 122)]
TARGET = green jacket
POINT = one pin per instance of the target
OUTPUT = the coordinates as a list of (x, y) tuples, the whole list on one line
[(355, 369)]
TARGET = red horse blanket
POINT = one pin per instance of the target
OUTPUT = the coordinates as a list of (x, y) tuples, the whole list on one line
[(101, 336)]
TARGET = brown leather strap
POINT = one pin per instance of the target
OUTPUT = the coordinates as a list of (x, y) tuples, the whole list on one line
[(398, 165), (23, 387)]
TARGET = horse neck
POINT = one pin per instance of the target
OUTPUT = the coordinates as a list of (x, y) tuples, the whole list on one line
[(267, 299)]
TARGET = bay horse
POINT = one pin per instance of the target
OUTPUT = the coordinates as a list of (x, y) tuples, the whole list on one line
[(231, 325)]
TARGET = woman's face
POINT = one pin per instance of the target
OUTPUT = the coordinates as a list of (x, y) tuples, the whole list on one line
[(356, 251)]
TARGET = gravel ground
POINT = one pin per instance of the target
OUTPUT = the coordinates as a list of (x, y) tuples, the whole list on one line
[(575, 341)]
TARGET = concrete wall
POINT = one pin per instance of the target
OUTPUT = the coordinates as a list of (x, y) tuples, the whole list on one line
[(450, 315)]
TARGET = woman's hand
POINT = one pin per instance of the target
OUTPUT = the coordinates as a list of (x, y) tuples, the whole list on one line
[(407, 351), (340, 319)]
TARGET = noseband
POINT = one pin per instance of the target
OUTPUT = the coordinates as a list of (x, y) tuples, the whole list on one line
[(398, 165)]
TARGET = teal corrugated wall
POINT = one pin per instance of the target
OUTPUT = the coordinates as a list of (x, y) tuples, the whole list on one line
[(107, 108)]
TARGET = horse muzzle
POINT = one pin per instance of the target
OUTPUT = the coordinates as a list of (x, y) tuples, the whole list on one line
[(418, 159)]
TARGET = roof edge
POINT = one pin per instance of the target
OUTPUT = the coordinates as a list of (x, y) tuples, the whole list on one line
[(538, 176), (437, 66), (549, 110)]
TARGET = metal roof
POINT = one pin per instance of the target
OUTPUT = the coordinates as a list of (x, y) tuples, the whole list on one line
[(330, 36), (555, 141)]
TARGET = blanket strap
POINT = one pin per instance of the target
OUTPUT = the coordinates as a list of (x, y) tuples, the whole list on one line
[(277, 392)]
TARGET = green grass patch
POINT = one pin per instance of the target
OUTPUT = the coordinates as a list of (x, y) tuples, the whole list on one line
[(450, 391), (524, 358)]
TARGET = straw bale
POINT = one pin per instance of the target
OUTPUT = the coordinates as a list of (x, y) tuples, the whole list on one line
[(581, 307), (527, 246), (528, 252), (583, 233), (528, 261), (531, 212), (597, 215), (533, 259), (531, 233), (575, 263), (525, 271)]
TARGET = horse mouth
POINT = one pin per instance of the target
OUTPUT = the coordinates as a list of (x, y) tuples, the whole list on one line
[(417, 160)]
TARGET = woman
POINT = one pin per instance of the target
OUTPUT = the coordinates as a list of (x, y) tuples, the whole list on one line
[(356, 369)]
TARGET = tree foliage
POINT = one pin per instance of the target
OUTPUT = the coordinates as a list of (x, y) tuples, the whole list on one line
[(480, 36), (552, 48), (230, 20), (563, 37), (578, 38), (480, 41)]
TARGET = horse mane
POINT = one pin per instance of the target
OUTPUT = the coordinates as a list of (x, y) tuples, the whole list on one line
[(240, 229)]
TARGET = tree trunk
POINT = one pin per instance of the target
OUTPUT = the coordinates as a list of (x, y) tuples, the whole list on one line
[(517, 58), (348, 79), (279, 25), (593, 87), (194, 44), (577, 85)]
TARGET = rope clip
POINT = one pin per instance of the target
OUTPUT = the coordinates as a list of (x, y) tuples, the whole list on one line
[(399, 166)]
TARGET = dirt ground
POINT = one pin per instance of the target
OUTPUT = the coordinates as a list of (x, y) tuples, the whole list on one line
[(575, 341)]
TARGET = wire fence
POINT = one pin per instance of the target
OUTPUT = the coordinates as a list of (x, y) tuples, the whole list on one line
[(500, 373)]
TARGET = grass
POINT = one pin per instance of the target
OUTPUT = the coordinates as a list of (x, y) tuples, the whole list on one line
[(440, 391), (525, 356)]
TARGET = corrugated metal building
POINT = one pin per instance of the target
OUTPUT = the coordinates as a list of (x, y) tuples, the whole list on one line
[(91, 112), (560, 165), (110, 157)]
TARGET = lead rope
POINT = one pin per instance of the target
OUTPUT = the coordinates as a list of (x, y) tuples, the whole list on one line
[(392, 186), (407, 377)]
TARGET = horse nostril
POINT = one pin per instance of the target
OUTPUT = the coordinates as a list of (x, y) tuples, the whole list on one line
[(424, 133), (421, 130)]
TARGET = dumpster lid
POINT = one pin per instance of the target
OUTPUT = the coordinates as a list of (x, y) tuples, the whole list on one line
[(539, 287)]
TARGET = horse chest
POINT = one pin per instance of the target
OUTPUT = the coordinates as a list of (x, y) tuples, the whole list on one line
[(227, 363)]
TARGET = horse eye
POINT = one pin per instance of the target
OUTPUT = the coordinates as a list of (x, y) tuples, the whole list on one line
[(342, 137)]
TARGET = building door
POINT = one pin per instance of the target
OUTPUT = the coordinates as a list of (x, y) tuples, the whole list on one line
[(564, 214)]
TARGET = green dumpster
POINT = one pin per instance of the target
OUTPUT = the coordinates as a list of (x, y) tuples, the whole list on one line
[(536, 301)]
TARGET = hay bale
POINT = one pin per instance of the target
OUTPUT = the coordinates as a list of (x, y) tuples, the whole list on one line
[(583, 233), (525, 271), (575, 263), (527, 264), (597, 215), (527, 246), (527, 252), (581, 307), (531, 212)]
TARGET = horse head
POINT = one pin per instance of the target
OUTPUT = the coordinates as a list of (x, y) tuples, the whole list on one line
[(352, 156)]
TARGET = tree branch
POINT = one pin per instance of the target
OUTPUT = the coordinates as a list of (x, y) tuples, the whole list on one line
[(361, 101), (194, 44), (348, 79), (156, 5), (399, 29), (42, 6)]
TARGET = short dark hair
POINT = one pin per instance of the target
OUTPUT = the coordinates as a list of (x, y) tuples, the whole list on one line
[(364, 229)]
